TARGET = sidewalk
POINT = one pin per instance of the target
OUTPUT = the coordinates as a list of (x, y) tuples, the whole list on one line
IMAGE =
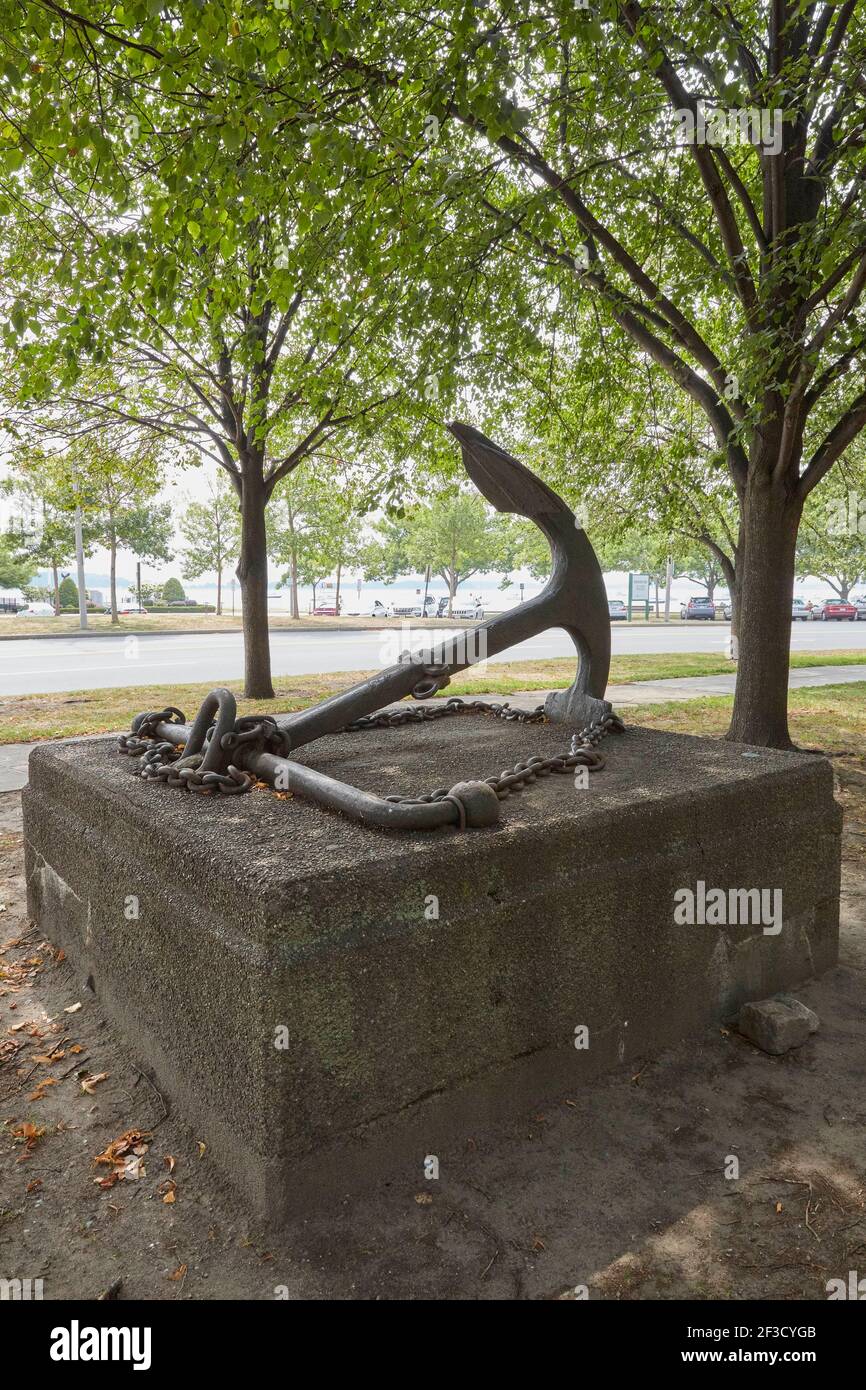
[(13, 756)]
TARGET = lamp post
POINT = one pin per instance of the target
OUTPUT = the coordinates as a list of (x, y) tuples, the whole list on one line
[(79, 557), (669, 571)]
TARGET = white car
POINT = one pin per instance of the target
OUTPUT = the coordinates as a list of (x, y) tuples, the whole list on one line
[(37, 610), (860, 605)]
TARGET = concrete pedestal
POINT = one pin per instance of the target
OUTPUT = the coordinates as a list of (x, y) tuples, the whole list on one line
[(299, 983)]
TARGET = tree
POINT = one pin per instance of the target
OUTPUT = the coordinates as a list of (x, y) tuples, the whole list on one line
[(147, 532), (291, 533), (68, 593), (314, 527), (223, 245), (15, 568), (832, 540), (173, 591), (39, 483), (700, 565), (457, 537), (112, 473), (639, 549), (336, 532), (212, 534), (384, 556), (741, 265)]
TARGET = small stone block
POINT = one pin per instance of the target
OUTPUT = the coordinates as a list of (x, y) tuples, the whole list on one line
[(802, 1009), (773, 1026)]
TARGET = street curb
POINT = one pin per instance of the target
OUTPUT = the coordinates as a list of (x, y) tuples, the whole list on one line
[(445, 625)]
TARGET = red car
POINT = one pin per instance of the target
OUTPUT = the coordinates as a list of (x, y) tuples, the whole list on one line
[(833, 609), (326, 610)]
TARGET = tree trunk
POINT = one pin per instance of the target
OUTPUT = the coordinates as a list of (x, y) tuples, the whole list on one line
[(252, 571), (219, 590), (337, 595), (765, 588), (56, 580), (112, 546)]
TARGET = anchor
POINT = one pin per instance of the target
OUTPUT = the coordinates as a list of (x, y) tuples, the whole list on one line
[(228, 755)]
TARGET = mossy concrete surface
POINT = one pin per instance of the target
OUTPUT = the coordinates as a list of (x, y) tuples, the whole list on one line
[(320, 999)]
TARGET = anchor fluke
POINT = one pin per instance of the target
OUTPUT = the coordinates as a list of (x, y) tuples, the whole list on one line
[(507, 484)]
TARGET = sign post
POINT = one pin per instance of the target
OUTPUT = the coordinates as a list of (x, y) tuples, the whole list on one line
[(638, 592)]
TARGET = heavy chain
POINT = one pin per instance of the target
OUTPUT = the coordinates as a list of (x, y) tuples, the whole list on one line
[(582, 749), (165, 761)]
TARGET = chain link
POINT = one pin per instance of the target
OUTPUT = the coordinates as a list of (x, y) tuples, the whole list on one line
[(582, 749), (165, 762)]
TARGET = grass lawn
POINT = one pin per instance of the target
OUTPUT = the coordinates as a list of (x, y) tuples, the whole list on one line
[(66, 625), (829, 717), (24, 718)]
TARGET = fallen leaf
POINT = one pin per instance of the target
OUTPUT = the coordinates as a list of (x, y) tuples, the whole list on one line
[(91, 1082), (201, 1149), (132, 1141), (178, 1273), (778, 1206), (170, 1196), (35, 1185), (73, 1009), (49, 1058), (423, 1199), (76, 1048), (39, 1093), (31, 1134), (170, 1161)]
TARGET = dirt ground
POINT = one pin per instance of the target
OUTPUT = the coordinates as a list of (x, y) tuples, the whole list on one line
[(619, 1187)]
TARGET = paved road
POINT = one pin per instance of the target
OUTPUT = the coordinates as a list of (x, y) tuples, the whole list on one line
[(37, 665)]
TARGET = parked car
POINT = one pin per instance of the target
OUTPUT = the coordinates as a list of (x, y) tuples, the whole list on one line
[(326, 610), (698, 608), (616, 609), (860, 605), (473, 610), (834, 610), (37, 610), (125, 608), (416, 610), (727, 610), (799, 611)]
